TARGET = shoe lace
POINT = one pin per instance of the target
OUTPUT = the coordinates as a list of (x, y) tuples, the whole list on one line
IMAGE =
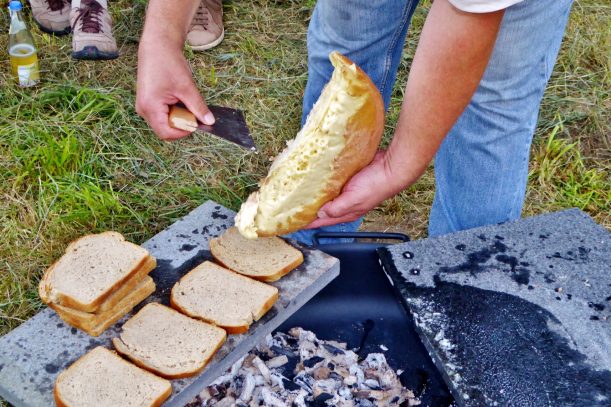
[(56, 5), (202, 16), (89, 15)]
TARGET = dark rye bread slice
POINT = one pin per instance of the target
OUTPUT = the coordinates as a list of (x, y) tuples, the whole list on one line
[(101, 378), (96, 323), (167, 342), (129, 286), (117, 297), (91, 269), (265, 258), (219, 296)]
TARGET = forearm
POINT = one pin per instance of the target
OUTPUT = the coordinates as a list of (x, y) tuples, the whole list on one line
[(167, 22), (450, 61)]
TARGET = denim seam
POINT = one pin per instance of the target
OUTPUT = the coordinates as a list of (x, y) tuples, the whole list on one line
[(442, 205), (393, 42)]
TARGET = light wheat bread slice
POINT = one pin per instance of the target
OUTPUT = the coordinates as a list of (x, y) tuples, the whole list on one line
[(266, 258), (101, 378), (95, 324), (91, 269), (224, 298), (167, 342)]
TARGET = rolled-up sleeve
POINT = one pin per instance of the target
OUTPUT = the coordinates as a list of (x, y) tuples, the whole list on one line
[(482, 6)]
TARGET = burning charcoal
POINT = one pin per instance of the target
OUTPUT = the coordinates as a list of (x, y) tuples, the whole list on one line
[(373, 384), (300, 399), (345, 393), (236, 366), (355, 370), (259, 380), (311, 362), (299, 370), (290, 385), (307, 350), (322, 372), (226, 402), (321, 399), (304, 380), (334, 350), (217, 391), (277, 361), (277, 380), (247, 388), (262, 368), (324, 386), (270, 399), (375, 360), (236, 385), (278, 350), (289, 369), (336, 376), (350, 380)]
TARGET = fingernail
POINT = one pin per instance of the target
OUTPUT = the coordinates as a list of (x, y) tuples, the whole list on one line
[(209, 119), (322, 214)]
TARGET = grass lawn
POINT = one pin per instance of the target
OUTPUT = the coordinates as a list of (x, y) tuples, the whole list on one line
[(75, 158)]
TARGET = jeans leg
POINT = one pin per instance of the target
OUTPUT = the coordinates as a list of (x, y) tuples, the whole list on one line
[(481, 169), (370, 33)]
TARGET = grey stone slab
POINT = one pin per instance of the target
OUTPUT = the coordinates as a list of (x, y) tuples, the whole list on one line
[(514, 314), (33, 354)]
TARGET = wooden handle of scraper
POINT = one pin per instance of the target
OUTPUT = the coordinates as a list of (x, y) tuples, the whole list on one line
[(181, 118)]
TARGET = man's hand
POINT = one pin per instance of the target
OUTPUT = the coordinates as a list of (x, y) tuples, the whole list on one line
[(365, 190), (161, 84), (164, 76)]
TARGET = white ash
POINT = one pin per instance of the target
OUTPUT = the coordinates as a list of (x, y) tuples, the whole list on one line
[(297, 369)]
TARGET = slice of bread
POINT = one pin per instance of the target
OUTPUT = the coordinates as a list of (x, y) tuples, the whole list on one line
[(101, 378), (95, 324), (91, 269), (224, 298), (266, 258), (167, 342), (129, 286)]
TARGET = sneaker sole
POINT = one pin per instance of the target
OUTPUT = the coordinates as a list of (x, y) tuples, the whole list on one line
[(92, 53), (210, 45), (42, 28)]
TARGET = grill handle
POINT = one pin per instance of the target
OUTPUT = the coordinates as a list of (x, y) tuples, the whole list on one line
[(359, 235)]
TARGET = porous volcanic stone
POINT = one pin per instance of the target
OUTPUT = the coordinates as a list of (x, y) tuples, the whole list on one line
[(514, 314)]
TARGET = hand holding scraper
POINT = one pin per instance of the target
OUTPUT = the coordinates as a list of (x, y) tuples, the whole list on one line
[(229, 124)]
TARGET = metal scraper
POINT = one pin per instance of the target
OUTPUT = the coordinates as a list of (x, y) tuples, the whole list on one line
[(229, 125)]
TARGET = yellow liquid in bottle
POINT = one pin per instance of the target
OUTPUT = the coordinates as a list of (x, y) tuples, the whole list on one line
[(24, 64)]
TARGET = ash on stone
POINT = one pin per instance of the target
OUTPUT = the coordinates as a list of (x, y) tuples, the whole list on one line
[(298, 369)]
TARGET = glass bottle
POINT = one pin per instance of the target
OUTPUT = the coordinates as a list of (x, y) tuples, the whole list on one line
[(22, 51)]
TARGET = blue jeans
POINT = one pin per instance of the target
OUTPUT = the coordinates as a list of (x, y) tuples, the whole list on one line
[(481, 168)]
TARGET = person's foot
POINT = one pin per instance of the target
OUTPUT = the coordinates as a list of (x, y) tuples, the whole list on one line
[(52, 16), (92, 31), (206, 29)]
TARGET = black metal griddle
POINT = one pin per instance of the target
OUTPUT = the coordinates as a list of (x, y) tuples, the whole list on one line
[(360, 308)]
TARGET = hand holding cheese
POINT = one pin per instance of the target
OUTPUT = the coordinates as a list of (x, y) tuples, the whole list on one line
[(339, 138)]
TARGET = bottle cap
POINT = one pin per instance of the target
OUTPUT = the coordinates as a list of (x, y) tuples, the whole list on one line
[(15, 5)]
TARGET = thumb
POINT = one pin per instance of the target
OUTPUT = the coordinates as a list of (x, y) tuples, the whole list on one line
[(339, 207), (196, 105)]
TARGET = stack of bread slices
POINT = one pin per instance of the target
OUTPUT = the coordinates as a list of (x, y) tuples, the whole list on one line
[(98, 280)]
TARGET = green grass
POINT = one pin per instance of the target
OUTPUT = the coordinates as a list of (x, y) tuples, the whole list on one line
[(75, 158)]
